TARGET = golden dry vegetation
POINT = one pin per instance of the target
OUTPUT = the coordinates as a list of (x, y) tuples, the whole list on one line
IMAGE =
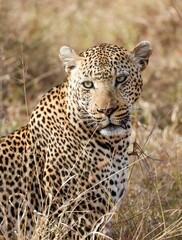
[(31, 33)]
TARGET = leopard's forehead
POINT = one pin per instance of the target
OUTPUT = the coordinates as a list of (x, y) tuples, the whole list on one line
[(104, 49), (102, 59)]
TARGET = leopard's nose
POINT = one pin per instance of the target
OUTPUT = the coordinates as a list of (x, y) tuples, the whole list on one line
[(107, 111)]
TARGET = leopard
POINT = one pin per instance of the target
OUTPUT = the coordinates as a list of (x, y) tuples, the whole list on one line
[(67, 169)]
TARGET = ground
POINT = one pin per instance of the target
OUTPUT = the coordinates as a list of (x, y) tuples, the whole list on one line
[(29, 66)]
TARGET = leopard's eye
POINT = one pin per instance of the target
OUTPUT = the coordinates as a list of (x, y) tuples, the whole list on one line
[(120, 80), (88, 84)]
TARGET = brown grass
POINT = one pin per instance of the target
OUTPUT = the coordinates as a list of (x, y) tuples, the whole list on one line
[(31, 33)]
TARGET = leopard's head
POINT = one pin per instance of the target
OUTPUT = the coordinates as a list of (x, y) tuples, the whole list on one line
[(104, 83)]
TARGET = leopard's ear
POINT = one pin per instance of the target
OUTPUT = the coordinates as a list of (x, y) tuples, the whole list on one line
[(141, 53), (69, 57)]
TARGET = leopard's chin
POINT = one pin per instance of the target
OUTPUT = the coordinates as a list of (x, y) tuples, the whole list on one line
[(114, 130)]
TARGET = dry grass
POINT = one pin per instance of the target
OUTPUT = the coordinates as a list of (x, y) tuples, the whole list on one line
[(31, 33)]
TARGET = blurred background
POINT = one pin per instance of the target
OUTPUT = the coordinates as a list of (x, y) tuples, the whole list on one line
[(31, 33)]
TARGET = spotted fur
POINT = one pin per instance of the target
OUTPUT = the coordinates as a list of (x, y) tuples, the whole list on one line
[(70, 161)]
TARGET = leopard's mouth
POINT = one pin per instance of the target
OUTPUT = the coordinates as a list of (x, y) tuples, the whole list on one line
[(113, 129)]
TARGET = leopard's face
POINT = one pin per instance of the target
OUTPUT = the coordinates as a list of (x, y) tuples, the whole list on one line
[(105, 81)]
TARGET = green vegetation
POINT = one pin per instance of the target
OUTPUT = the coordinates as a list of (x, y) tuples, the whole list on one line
[(31, 33)]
